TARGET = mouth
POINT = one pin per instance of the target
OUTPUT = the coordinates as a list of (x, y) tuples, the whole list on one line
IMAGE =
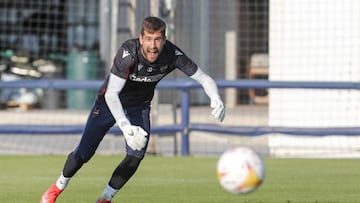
[(153, 52)]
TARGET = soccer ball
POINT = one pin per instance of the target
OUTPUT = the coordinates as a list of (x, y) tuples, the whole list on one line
[(240, 170)]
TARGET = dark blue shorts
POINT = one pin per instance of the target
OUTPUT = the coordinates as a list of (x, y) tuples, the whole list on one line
[(99, 122)]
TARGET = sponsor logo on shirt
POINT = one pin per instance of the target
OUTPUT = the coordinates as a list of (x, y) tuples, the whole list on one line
[(125, 54), (178, 53), (133, 77), (140, 66)]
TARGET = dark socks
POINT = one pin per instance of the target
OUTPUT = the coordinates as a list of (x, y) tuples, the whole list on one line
[(124, 171), (71, 166)]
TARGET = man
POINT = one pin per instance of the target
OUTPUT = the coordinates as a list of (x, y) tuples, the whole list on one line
[(124, 99)]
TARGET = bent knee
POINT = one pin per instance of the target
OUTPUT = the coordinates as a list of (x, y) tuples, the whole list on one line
[(132, 161)]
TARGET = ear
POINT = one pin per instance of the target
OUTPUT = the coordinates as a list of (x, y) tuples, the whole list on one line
[(164, 40), (140, 39)]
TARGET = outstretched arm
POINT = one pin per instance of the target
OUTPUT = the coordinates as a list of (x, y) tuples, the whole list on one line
[(212, 92)]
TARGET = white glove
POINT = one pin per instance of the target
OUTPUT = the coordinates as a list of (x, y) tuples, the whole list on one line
[(135, 136), (218, 108)]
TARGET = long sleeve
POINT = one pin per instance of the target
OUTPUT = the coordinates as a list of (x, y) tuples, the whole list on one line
[(114, 87), (207, 83)]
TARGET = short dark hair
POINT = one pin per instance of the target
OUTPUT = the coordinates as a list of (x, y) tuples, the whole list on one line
[(153, 24)]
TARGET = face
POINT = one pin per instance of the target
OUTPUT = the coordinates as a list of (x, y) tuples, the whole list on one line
[(151, 45)]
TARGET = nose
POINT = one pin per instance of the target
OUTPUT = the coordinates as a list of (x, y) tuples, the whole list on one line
[(153, 43)]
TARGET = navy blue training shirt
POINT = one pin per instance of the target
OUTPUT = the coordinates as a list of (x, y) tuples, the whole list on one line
[(140, 75)]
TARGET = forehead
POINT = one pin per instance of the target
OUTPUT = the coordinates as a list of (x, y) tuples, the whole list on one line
[(155, 34)]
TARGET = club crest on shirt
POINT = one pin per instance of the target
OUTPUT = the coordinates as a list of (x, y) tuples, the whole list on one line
[(149, 69)]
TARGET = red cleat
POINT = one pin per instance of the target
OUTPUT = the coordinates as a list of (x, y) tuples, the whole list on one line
[(99, 201), (50, 195)]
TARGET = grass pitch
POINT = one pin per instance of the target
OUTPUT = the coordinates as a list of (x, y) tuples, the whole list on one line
[(182, 180)]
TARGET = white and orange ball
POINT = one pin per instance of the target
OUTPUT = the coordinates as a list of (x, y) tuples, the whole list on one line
[(240, 170)]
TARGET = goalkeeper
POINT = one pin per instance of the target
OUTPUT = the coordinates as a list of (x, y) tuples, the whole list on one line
[(124, 99)]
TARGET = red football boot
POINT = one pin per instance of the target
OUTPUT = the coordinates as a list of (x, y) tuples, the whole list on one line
[(50, 195)]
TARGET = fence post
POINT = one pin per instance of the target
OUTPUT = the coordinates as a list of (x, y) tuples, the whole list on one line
[(185, 106)]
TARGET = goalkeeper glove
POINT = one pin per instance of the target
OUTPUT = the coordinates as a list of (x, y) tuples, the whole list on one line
[(135, 136), (218, 108)]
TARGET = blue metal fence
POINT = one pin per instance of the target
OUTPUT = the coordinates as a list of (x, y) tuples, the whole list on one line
[(184, 127)]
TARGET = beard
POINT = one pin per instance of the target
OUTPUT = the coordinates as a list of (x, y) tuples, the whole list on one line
[(150, 54)]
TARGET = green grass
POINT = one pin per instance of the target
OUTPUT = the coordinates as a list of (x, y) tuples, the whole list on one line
[(182, 180)]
